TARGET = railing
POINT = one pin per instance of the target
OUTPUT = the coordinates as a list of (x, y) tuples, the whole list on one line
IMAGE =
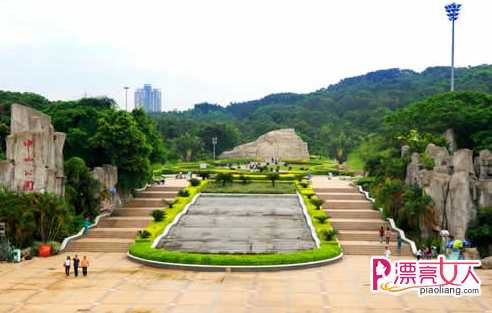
[(392, 222), (81, 232)]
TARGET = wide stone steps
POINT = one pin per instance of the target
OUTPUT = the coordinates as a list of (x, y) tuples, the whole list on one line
[(137, 211), (149, 202), (124, 233), (164, 188), (372, 248), (354, 213), (157, 194), (347, 204), (99, 245), (125, 222), (358, 224), (335, 190), (361, 235), (341, 196)]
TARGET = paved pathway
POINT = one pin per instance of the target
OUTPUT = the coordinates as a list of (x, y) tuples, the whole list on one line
[(117, 285)]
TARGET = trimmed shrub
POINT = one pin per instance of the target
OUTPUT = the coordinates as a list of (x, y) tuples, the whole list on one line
[(195, 182), (158, 215), (317, 202), (329, 235), (144, 234), (183, 193), (224, 178), (321, 218)]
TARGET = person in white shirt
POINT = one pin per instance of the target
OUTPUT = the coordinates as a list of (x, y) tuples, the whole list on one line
[(67, 266), (387, 252)]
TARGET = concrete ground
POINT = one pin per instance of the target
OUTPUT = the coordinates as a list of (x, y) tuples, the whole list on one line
[(117, 285), (241, 224)]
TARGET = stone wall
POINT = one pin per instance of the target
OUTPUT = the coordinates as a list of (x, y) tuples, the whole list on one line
[(281, 144), (34, 154), (458, 185), (107, 175)]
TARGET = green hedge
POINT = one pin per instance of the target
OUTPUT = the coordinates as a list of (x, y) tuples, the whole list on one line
[(142, 248)]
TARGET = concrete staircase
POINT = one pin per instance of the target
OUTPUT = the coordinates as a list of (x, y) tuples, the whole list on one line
[(118, 231), (354, 217)]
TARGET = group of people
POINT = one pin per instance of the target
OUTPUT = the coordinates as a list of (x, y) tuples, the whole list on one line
[(385, 236), (84, 264)]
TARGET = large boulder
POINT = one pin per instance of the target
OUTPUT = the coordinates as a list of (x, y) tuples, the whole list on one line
[(450, 137), (462, 161), (484, 165), (439, 155), (281, 144), (412, 174), (460, 205)]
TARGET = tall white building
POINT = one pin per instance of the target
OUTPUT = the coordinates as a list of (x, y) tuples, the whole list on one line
[(148, 98)]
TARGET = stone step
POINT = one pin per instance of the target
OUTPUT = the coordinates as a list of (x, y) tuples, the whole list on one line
[(361, 235), (99, 245), (341, 196), (372, 248), (347, 204), (148, 202), (335, 190), (125, 222), (157, 194), (136, 211), (125, 233), (354, 213), (165, 188), (358, 224)]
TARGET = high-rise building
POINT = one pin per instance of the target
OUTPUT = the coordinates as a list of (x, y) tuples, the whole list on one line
[(148, 98)]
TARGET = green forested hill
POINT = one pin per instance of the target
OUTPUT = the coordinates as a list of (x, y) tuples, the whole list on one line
[(331, 119)]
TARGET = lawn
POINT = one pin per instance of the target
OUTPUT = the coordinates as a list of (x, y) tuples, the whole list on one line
[(252, 187)]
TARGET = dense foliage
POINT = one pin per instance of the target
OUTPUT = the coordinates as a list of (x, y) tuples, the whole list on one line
[(97, 133), (332, 120), (35, 216), (480, 231)]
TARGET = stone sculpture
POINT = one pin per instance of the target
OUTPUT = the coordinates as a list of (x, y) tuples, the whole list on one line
[(281, 144), (34, 154), (458, 186)]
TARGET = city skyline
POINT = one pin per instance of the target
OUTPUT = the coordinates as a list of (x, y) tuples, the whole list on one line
[(148, 98), (233, 53)]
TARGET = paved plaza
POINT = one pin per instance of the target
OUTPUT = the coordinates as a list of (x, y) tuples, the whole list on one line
[(241, 224), (117, 285)]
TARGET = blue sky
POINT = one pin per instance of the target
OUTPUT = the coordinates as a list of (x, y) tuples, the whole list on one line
[(225, 51)]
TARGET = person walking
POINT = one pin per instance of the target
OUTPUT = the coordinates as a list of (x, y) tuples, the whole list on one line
[(76, 263), (87, 223), (398, 244), (419, 254), (84, 264), (387, 252), (67, 266), (387, 235), (381, 234)]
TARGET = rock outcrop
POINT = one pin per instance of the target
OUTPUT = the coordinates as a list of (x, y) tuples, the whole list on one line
[(458, 185), (107, 175), (34, 154), (281, 144)]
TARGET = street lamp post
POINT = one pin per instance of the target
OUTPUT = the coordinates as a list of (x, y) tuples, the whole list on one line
[(452, 11), (214, 142), (126, 97)]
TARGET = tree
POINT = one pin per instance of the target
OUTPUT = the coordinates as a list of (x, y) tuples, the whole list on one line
[(188, 146), (148, 127), (273, 177), (81, 188), (224, 178), (120, 142), (480, 232), (226, 133)]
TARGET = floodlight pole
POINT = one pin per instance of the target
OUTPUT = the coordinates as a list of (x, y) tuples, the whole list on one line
[(214, 142), (452, 55)]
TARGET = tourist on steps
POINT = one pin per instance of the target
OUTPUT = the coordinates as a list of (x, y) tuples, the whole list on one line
[(381, 234), (387, 252), (76, 263), (87, 223), (388, 235), (67, 266), (84, 264)]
